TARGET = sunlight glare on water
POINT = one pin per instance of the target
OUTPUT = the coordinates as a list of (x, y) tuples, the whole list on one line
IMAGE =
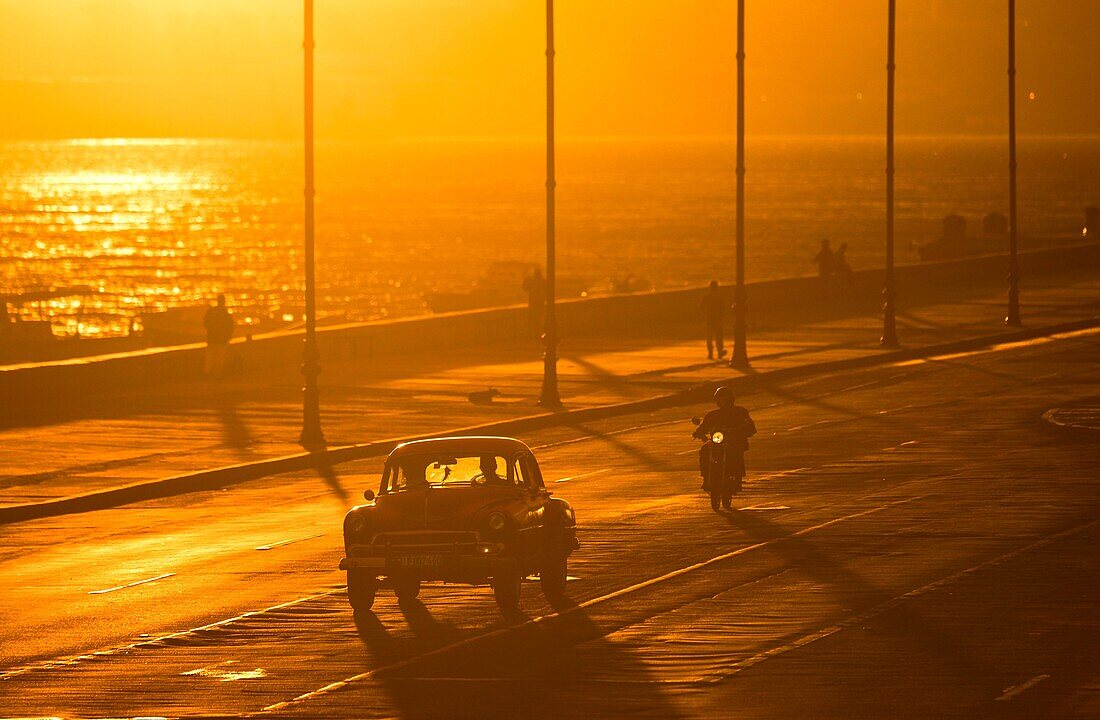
[(133, 226)]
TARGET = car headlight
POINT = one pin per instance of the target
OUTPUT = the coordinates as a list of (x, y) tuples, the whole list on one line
[(355, 525), (496, 521)]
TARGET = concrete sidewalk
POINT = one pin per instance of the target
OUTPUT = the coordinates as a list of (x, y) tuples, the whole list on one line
[(177, 429)]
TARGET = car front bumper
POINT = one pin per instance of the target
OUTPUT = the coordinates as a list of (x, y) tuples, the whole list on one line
[(439, 566)]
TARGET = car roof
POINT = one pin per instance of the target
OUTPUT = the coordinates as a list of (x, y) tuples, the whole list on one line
[(462, 445)]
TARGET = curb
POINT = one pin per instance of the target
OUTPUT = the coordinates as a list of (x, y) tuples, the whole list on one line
[(229, 475)]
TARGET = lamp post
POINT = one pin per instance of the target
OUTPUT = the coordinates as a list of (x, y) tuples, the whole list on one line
[(1013, 317), (889, 326), (550, 397), (311, 436), (740, 357)]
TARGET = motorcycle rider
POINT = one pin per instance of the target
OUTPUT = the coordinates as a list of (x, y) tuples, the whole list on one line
[(734, 422)]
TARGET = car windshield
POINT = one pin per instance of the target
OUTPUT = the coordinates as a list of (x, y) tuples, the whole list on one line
[(436, 470)]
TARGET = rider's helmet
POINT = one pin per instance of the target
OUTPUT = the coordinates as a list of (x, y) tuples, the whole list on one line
[(724, 396)]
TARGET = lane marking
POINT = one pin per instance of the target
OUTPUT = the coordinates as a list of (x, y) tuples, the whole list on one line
[(799, 401), (879, 609), (899, 409), (1015, 690), (304, 697), (809, 425), (76, 659), (281, 543), (219, 672), (1000, 347), (130, 585), (583, 475)]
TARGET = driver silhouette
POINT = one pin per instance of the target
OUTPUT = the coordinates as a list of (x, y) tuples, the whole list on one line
[(489, 471)]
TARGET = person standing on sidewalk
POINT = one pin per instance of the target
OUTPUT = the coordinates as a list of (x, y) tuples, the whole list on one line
[(219, 330), (714, 310)]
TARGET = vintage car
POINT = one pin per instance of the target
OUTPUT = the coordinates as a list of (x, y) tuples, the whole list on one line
[(469, 510)]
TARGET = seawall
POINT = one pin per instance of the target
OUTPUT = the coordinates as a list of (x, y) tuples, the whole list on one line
[(667, 314)]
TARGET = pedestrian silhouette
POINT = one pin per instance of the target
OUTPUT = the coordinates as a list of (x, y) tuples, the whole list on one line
[(714, 310), (219, 330), (842, 272), (535, 287)]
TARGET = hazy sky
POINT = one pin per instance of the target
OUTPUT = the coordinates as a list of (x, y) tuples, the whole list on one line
[(395, 68)]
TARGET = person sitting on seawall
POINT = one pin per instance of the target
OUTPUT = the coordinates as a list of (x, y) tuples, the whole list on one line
[(735, 423)]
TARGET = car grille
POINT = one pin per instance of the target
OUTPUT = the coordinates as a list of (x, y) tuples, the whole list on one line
[(427, 540)]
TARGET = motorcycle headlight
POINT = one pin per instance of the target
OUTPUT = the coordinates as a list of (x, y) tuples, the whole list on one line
[(496, 521), (717, 438)]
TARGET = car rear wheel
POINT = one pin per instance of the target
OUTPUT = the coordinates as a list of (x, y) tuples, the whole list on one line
[(361, 590), (506, 592), (553, 575), (406, 588)]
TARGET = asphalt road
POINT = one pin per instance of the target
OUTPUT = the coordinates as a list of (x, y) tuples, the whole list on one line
[(913, 541)]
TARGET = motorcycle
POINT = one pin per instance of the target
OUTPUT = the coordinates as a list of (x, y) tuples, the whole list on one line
[(719, 464)]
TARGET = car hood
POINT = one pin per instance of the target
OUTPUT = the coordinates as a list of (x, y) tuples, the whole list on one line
[(440, 508)]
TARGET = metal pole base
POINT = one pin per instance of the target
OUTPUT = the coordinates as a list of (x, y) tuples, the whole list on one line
[(889, 337), (740, 357), (312, 435), (1013, 317), (550, 398)]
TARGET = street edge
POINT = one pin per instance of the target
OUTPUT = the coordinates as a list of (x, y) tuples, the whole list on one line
[(217, 478)]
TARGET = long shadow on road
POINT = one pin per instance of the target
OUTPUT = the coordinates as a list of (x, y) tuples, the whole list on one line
[(855, 593), (560, 667)]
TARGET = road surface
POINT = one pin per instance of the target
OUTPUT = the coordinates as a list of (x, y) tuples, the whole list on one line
[(913, 541)]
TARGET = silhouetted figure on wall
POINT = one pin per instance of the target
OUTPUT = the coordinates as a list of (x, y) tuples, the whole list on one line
[(842, 271), (535, 287), (714, 310), (824, 261), (219, 330)]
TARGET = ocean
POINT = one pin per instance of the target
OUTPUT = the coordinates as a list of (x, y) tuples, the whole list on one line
[(139, 226)]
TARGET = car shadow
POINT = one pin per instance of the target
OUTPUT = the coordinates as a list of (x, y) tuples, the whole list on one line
[(559, 666)]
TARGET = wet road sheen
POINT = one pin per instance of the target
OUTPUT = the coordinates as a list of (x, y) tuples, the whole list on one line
[(912, 542)]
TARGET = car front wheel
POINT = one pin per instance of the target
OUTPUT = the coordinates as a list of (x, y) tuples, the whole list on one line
[(361, 590), (506, 591), (553, 575), (406, 588)]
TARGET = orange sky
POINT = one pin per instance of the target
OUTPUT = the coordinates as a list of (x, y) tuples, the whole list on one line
[(397, 68)]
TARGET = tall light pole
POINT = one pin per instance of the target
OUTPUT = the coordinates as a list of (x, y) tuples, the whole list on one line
[(740, 357), (1013, 317), (311, 413), (889, 325), (550, 397)]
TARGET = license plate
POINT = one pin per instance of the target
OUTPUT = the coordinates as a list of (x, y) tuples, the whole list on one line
[(416, 561)]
